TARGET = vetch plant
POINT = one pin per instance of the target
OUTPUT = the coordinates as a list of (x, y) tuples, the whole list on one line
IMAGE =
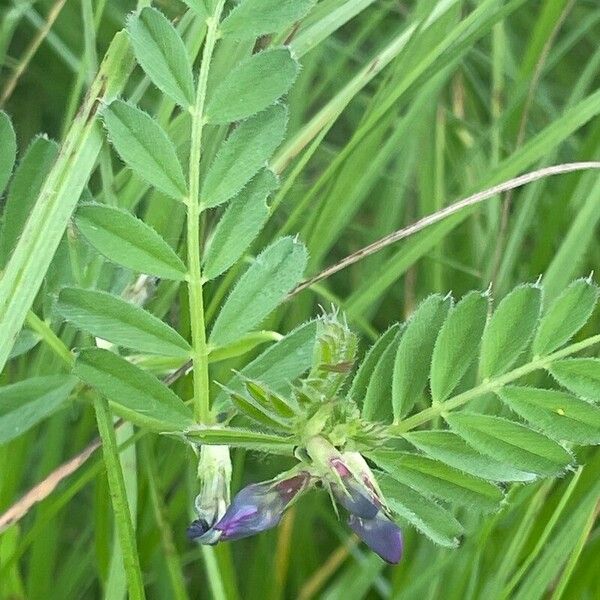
[(163, 261)]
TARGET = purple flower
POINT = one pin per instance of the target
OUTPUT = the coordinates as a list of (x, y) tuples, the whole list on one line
[(353, 495), (255, 508), (381, 534)]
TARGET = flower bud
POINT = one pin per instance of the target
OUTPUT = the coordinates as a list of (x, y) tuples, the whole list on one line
[(347, 479), (260, 506), (214, 472), (381, 534)]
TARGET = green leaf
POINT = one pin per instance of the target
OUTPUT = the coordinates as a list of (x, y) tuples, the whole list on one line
[(510, 442), (25, 404), (261, 412), (559, 415), (457, 344), (364, 374), (434, 478), (128, 241), (566, 316), (251, 86), (275, 272), (24, 189), (198, 7), (413, 358), (161, 53), (252, 18), (454, 451), (8, 155), (243, 154), (280, 364), (376, 405), (134, 394), (579, 375), (239, 226), (242, 438), (145, 147), (270, 400), (428, 517), (26, 341), (119, 322), (243, 345), (510, 329)]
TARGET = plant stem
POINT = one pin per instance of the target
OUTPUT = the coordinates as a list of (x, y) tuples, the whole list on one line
[(488, 386), (50, 338), (118, 496), (199, 353)]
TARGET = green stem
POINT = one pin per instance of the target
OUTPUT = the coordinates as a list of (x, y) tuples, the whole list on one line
[(50, 338), (488, 386), (118, 496), (198, 326)]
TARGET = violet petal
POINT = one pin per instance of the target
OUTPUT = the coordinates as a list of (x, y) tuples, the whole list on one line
[(383, 536)]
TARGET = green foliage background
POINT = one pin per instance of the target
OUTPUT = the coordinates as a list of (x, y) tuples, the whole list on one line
[(398, 109)]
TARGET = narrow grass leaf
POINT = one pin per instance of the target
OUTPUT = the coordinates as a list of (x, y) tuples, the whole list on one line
[(8, 155), (509, 329), (566, 316), (252, 18), (242, 438), (25, 404), (260, 290), (451, 449), (559, 415), (376, 404), (423, 513), (579, 375), (434, 478), (364, 374), (243, 154), (133, 394), (457, 344), (251, 86), (510, 442), (160, 51), (145, 147), (25, 186), (128, 241), (239, 225), (413, 358), (119, 322)]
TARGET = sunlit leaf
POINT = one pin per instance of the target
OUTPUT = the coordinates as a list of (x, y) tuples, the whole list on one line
[(510, 442), (566, 316), (133, 394), (457, 344), (239, 225), (558, 414), (413, 358), (119, 322), (243, 154), (509, 329), (128, 241), (252, 86), (145, 147), (273, 274), (161, 53)]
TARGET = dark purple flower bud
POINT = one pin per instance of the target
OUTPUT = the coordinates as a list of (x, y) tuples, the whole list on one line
[(260, 506), (354, 496), (383, 536)]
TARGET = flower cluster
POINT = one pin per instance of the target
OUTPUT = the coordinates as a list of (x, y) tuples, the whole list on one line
[(260, 506)]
